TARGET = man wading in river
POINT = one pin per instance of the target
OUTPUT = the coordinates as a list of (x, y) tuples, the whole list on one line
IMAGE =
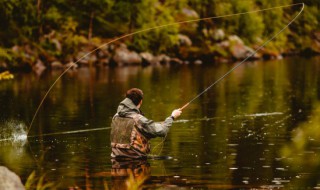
[(131, 131)]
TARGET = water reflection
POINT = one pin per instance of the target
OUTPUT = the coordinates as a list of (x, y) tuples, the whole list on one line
[(302, 154), (129, 174), (229, 138)]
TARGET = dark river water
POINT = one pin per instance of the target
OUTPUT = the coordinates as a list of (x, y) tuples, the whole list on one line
[(259, 128)]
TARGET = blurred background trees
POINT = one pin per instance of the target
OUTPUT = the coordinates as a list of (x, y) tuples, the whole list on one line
[(49, 30)]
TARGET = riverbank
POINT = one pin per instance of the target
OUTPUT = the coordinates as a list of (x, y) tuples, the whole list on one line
[(53, 35), (97, 52)]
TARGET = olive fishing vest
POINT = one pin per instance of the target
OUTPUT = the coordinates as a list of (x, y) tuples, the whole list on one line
[(125, 134)]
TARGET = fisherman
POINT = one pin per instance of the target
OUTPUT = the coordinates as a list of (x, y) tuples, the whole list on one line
[(131, 130)]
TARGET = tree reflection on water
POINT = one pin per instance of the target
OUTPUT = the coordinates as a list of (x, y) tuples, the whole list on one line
[(302, 153)]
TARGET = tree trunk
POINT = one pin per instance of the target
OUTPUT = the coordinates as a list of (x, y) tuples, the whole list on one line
[(90, 26), (39, 17)]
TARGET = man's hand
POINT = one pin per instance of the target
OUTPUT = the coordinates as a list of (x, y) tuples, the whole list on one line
[(176, 113)]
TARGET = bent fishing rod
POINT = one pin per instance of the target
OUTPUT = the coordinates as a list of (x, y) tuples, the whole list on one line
[(163, 26), (237, 65)]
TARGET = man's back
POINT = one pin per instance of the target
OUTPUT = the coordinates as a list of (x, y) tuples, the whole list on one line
[(131, 131)]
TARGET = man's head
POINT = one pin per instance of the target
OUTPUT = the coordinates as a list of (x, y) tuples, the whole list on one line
[(135, 94)]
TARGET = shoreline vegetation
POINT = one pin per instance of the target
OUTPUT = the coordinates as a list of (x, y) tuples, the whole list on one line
[(53, 35)]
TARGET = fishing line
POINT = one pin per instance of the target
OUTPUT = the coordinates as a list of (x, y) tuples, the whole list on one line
[(253, 53), (72, 132), (237, 65), (163, 26)]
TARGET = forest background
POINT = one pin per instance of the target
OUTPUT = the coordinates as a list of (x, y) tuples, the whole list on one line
[(51, 34)]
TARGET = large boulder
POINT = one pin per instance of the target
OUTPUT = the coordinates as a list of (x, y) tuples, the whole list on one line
[(147, 58), (238, 49), (162, 59), (9, 180), (184, 40), (123, 56), (39, 67), (85, 57), (189, 13)]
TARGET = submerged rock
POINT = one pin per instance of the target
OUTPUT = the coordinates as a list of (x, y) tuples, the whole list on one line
[(9, 180)]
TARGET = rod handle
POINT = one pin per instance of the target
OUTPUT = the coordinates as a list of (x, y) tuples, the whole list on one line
[(187, 104)]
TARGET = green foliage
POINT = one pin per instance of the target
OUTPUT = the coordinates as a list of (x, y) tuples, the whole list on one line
[(6, 75), (71, 41), (151, 15), (77, 22), (38, 183), (248, 26), (4, 54)]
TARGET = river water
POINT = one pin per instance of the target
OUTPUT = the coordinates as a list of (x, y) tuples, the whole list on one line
[(259, 128)]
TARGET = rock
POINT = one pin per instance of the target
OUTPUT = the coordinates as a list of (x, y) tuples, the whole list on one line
[(104, 61), (224, 44), (9, 180), (162, 59), (184, 40), (57, 44), (235, 39), (147, 58), (123, 56), (175, 61), (190, 13), (103, 52), (197, 62), (219, 35), (268, 54), (85, 58), (238, 49), (72, 65), (56, 65), (15, 49), (39, 67), (3, 65), (316, 35), (315, 46)]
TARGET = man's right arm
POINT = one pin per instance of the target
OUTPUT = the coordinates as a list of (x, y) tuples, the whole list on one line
[(152, 129)]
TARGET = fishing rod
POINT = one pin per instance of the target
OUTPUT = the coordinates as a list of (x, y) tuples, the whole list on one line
[(236, 66), (163, 26), (248, 57)]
